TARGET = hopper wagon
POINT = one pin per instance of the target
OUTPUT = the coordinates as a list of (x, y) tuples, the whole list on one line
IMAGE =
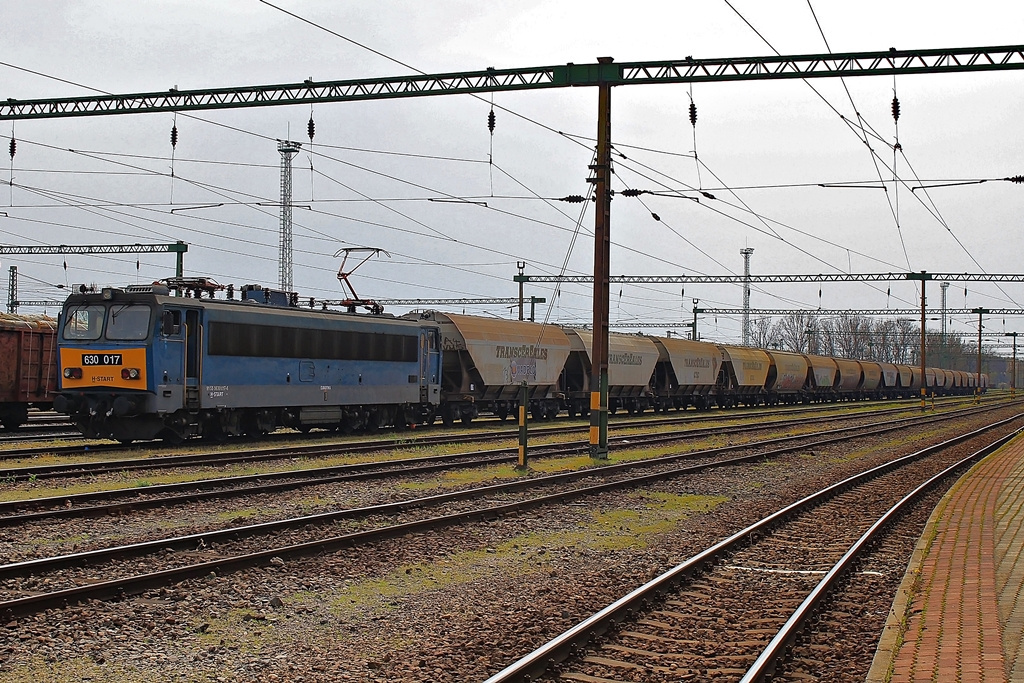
[(686, 374), (787, 377), (485, 360), (742, 376), (631, 361)]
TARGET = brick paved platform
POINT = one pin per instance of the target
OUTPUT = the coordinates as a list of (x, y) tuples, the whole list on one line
[(959, 615)]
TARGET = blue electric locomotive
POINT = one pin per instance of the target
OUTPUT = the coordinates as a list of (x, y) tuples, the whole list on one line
[(137, 363)]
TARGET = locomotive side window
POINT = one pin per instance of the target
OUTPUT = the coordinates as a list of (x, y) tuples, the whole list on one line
[(128, 322), (233, 339), (83, 323)]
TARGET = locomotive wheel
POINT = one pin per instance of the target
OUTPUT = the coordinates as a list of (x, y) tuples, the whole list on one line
[(171, 437)]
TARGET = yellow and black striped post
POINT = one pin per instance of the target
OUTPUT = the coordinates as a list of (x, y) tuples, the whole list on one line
[(524, 401)]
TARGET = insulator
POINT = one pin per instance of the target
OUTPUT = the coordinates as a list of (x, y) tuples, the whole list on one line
[(14, 148), (655, 216), (693, 114), (574, 199), (174, 136), (311, 129), (631, 192), (1013, 179), (895, 108), (708, 194), (490, 121)]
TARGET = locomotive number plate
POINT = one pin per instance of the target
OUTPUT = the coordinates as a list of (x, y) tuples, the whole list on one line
[(101, 359)]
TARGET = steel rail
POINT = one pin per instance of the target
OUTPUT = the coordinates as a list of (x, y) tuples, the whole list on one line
[(134, 584), (537, 662), (623, 422), (308, 451), (68, 506)]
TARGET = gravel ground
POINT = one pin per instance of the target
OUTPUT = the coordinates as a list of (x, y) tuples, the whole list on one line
[(453, 605)]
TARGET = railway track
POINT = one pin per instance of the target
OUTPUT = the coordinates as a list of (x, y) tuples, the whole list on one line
[(482, 428), (121, 500), (734, 611), (37, 584), (221, 458)]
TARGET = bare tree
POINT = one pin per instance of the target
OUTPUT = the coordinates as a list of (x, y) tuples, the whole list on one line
[(791, 330), (762, 333)]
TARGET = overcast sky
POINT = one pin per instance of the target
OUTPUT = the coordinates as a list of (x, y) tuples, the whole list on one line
[(764, 149)]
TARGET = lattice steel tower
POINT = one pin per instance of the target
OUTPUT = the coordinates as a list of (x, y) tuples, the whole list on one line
[(288, 150), (746, 252), (945, 286)]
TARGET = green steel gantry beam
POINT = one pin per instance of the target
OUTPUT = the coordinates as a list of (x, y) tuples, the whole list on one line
[(856, 311), (740, 279), (178, 248), (687, 70)]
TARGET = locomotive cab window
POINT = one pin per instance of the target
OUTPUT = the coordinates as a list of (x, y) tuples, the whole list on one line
[(170, 323), (84, 323), (128, 322)]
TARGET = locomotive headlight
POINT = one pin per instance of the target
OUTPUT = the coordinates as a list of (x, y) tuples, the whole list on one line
[(130, 373), (72, 373)]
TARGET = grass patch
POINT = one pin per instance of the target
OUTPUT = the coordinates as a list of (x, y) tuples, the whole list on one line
[(650, 514)]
